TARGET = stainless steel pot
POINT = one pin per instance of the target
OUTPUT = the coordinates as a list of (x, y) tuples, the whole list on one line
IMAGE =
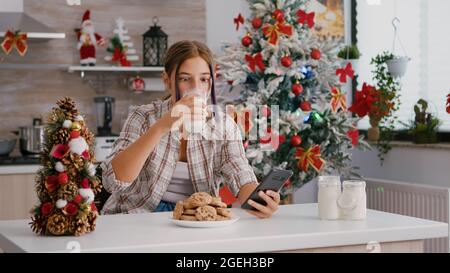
[(31, 138)]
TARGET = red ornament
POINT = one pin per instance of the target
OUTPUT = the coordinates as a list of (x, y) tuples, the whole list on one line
[(282, 139), (256, 22), (316, 54), (74, 134), (306, 106), (278, 15), (46, 208), (59, 151), (353, 134), (266, 112), (448, 109), (93, 207), (86, 155), (247, 41), (70, 209), (77, 199), (238, 21), (297, 89), (63, 178), (137, 85), (296, 141), (85, 183), (51, 184), (286, 61)]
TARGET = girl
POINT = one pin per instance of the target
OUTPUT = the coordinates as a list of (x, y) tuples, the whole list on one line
[(154, 163)]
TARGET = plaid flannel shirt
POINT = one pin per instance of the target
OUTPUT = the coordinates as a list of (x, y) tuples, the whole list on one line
[(213, 159)]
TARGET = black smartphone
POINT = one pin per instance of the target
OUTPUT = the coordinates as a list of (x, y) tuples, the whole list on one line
[(274, 181)]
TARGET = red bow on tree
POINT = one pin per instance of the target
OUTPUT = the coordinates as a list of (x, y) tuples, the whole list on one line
[(310, 157), (306, 18), (16, 40), (272, 32), (338, 100), (344, 72), (238, 20), (353, 134), (255, 61), (120, 56)]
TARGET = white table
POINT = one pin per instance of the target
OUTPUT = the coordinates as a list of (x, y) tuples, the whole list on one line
[(294, 228)]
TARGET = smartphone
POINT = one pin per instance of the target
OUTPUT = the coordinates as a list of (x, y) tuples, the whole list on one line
[(274, 181)]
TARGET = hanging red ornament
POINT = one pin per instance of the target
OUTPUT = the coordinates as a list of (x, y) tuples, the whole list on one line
[(297, 89), (316, 54), (306, 106), (137, 85), (256, 23), (238, 21), (247, 41), (286, 61), (278, 15), (296, 141)]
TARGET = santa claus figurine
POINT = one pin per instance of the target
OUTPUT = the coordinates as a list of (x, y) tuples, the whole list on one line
[(88, 39)]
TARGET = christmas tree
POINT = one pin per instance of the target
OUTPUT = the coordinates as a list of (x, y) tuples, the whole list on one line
[(293, 81), (66, 183), (121, 45)]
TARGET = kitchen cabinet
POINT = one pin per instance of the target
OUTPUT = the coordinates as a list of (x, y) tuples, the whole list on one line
[(17, 195)]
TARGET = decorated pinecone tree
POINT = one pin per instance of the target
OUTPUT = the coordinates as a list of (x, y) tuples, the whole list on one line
[(280, 63), (66, 183)]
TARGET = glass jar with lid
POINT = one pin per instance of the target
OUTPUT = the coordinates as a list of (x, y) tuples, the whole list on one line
[(328, 194), (353, 201)]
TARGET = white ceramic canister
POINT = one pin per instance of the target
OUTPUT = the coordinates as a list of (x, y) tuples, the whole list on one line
[(353, 200), (328, 195)]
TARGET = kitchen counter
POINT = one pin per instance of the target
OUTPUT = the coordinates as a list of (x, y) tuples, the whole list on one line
[(293, 228), (19, 169)]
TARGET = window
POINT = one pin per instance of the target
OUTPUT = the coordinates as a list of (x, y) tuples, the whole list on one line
[(424, 33)]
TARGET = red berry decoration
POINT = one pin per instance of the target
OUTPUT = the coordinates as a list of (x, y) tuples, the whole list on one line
[(278, 15), (286, 61), (297, 89), (74, 134), (256, 22), (46, 208), (85, 183), (63, 178), (296, 141), (305, 106), (316, 54), (247, 41)]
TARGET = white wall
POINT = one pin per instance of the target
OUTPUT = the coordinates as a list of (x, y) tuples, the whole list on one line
[(220, 25), (11, 6)]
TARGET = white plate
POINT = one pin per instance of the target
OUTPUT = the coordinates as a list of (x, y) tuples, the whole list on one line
[(204, 224)]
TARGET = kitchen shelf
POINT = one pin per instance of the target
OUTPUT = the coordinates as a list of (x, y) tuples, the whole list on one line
[(101, 77), (114, 69)]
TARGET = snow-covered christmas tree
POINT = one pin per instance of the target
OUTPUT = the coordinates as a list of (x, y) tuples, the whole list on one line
[(293, 81), (124, 40)]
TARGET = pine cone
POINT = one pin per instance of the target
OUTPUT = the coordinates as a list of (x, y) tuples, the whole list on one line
[(68, 191), (61, 137), (69, 108), (78, 227), (58, 224), (41, 190), (38, 224)]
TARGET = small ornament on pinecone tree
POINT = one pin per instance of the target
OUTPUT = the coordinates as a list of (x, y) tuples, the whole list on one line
[(64, 181)]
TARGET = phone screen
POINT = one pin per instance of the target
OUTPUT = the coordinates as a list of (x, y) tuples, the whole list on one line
[(274, 181)]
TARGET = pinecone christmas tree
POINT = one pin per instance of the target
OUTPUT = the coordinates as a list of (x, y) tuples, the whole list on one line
[(66, 184), (293, 111)]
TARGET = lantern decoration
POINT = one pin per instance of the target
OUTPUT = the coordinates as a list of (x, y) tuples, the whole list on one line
[(137, 85), (154, 45)]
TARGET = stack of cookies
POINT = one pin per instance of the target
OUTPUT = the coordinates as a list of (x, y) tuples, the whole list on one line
[(201, 206)]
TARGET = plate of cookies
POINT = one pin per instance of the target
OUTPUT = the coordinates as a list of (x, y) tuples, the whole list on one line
[(202, 210)]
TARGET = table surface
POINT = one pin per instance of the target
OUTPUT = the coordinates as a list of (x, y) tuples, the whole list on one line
[(293, 227)]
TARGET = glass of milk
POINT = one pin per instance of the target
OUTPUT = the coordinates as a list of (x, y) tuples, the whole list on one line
[(195, 125)]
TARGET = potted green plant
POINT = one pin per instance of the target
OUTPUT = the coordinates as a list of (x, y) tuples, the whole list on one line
[(424, 128), (397, 65), (350, 53)]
